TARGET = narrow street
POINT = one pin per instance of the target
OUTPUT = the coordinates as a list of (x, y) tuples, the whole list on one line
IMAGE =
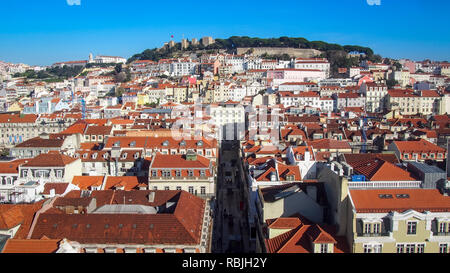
[(231, 233)]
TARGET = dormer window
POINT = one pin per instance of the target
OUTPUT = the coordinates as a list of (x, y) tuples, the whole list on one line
[(85, 155), (200, 143), (124, 155), (133, 144), (165, 143), (117, 144), (94, 156), (183, 143), (136, 155), (105, 155)]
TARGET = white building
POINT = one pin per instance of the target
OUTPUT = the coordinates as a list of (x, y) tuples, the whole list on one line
[(321, 64), (375, 96)]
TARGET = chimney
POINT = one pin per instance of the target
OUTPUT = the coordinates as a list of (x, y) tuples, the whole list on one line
[(307, 155), (273, 176), (151, 197)]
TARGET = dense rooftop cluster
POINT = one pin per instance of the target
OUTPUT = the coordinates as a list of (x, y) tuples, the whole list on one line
[(356, 163)]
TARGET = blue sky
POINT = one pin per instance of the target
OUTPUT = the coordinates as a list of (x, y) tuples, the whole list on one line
[(42, 32)]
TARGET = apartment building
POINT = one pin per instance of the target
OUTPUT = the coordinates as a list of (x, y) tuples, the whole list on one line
[(409, 102), (190, 172), (375, 96), (399, 221)]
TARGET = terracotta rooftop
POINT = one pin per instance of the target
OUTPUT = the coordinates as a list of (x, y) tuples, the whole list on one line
[(86, 182), (31, 246), (13, 214), (52, 159), (182, 226), (418, 146), (41, 142), (368, 201)]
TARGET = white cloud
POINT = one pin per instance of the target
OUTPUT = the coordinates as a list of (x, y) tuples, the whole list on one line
[(73, 2)]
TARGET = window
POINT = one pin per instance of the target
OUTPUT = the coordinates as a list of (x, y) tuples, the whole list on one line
[(376, 228), (410, 248), (412, 228), (420, 248), (323, 248), (166, 188), (367, 249), (400, 248), (178, 173), (442, 227), (191, 173), (178, 188), (154, 173), (366, 228), (442, 248), (377, 249), (191, 190), (202, 190)]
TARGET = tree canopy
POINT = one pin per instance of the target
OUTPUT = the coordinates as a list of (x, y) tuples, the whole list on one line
[(234, 42)]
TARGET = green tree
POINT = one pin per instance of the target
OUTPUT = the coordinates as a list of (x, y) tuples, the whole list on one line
[(391, 83), (119, 91)]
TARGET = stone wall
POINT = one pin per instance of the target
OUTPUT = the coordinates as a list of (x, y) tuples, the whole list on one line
[(294, 52)]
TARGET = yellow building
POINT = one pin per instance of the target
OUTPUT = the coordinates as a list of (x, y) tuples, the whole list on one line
[(408, 102), (15, 107), (398, 221), (143, 99)]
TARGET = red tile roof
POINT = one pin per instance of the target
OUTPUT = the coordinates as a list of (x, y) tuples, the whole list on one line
[(52, 159), (118, 182), (59, 188), (31, 246), (329, 144), (368, 201), (300, 239), (13, 214), (418, 146), (179, 161), (86, 182), (98, 130), (380, 170), (183, 226), (13, 118), (11, 166)]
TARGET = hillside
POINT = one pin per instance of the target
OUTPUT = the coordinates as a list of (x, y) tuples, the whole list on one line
[(336, 54)]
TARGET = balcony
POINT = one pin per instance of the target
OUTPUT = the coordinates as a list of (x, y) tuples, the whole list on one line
[(384, 184), (441, 233)]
